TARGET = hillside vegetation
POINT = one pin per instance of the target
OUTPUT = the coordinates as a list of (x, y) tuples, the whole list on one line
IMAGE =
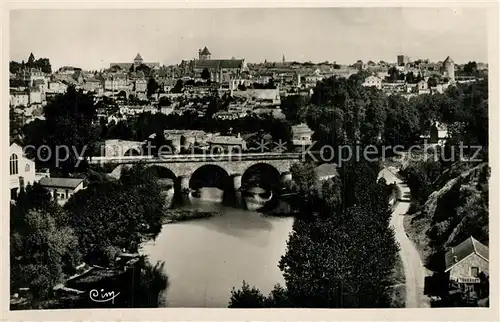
[(455, 209)]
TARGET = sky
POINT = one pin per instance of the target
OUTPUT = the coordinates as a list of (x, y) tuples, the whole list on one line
[(92, 39)]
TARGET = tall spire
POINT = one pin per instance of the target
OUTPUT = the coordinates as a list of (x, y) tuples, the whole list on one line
[(283, 58)]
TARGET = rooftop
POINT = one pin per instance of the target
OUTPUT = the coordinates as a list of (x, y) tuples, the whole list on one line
[(469, 246), (205, 51), (61, 182)]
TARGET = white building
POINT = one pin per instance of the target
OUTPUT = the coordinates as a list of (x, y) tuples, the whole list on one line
[(57, 87), (22, 170), (18, 98), (36, 96), (302, 135), (373, 81), (61, 189)]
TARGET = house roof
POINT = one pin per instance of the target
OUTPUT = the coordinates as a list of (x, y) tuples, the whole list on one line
[(218, 63), (205, 51), (138, 57), (226, 140), (125, 66), (61, 182), (469, 246)]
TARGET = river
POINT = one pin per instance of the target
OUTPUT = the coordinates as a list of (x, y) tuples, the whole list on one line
[(204, 259)]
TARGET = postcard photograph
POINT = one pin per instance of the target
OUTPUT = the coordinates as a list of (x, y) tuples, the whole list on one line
[(250, 158)]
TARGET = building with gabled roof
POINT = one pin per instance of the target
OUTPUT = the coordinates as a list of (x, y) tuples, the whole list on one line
[(61, 189), (204, 53), (221, 70), (464, 263)]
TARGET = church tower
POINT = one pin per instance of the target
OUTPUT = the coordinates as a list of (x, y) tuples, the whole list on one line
[(204, 54)]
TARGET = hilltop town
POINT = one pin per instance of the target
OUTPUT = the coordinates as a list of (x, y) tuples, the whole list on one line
[(256, 88)]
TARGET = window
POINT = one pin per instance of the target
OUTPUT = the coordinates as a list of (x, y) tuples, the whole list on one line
[(474, 271), (14, 164), (27, 168)]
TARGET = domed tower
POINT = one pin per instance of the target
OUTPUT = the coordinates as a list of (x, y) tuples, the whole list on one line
[(449, 68)]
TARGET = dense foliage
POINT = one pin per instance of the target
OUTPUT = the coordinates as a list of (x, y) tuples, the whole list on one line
[(131, 207), (341, 251), (44, 248)]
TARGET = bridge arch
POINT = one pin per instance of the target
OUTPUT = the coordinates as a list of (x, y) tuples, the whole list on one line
[(162, 172), (261, 175), (133, 151), (210, 175)]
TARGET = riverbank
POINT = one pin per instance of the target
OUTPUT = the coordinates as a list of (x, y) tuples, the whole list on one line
[(179, 215)]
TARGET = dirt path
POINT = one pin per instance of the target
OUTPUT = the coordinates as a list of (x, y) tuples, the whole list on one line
[(414, 269)]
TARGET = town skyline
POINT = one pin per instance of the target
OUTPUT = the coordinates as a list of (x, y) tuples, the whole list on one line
[(343, 35)]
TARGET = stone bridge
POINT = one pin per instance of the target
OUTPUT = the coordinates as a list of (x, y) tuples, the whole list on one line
[(236, 166)]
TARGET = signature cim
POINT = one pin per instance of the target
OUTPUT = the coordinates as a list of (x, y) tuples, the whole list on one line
[(102, 296)]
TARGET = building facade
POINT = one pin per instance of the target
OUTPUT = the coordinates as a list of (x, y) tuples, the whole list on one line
[(449, 68), (22, 170), (19, 98), (464, 264), (61, 189), (403, 60), (220, 70), (373, 81)]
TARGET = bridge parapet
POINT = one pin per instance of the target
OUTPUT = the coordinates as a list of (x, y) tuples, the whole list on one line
[(186, 165), (211, 158)]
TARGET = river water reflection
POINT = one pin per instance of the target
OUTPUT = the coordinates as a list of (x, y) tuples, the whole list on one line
[(205, 258)]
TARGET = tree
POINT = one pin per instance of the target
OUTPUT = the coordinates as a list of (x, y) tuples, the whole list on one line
[(402, 123), (393, 74), (246, 297), (251, 297), (42, 254), (271, 84), (291, 107), (214, 105), (281, 131), (410, 78), (205, 74), (152, 86), (122, 95), (332, 260), (44, 65), (15, 123), (432, 82), (470, 68), (178, 86), (70, 123), (164, 101), (132, 207), (120, 130)]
